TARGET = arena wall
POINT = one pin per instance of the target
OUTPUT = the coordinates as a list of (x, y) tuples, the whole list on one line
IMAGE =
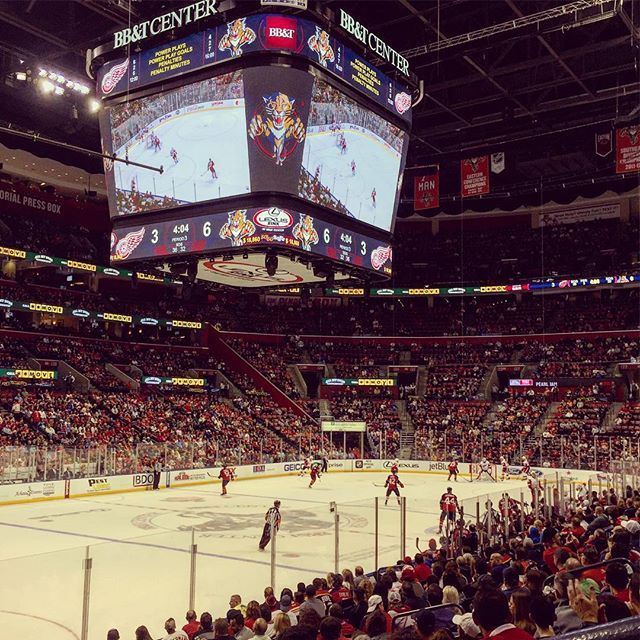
[(28, 492)]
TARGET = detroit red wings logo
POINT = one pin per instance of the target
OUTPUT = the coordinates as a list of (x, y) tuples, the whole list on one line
[(402, 102), (379, 257), (113, 76), (127, 245)]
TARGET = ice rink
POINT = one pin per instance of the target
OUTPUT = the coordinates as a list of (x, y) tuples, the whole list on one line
[(217, 133), (139, 545), (377, 166)]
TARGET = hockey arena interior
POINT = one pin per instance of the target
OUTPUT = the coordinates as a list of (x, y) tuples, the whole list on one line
[(320, 319)]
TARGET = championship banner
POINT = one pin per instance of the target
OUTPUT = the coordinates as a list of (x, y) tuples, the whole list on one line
[(474, 176), (497, 162), (604, 144), (426, 192), (628, 149)]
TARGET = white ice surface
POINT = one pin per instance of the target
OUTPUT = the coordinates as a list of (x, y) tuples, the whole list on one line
[(217, 133), (377, 166), (139, 546)]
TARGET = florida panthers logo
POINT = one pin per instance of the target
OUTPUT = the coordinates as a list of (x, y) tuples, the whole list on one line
[(237, 36), (319, 43), (237, 228), (276, 128), (305, 232), (633, 133), (474, 163)]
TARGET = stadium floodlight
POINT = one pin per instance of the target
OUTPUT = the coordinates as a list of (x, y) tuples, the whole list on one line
[(94, 105), (47, 86), (21, 75), (58, 91)]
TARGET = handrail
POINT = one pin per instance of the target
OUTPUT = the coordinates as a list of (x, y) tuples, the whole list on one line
[(578, 570), (413, 612)]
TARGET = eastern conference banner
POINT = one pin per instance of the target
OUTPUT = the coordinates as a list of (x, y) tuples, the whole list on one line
[(174, 382), (252, 35), (474, 176), (343, 427), (254, 227), (77, 265), (28, 374), (105, 316), (628, 149), (359, 382)]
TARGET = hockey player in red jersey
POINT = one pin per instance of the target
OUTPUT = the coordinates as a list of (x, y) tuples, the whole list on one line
[(211, 167), (343, 146), (353, 167), (157, 145), (314, 474), (448, 508), (392, 484), (395, 466), (453, 470), (226, 475), (174, 156)]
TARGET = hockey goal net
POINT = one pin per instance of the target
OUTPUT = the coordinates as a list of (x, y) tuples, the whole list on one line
[(475, 469)]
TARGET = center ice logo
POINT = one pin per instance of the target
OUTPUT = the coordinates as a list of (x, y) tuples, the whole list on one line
[(276, 127), (238, 35), (237, 228)]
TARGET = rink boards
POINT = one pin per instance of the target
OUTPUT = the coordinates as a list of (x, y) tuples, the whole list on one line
[(100, 485)]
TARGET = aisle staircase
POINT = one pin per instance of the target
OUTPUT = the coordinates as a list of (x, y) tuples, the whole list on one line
[(407, 433), (608, 422)]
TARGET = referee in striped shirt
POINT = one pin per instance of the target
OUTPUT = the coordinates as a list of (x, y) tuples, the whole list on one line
[(272, 517)]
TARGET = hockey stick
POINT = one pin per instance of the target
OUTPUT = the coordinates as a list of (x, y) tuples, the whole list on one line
[(377, 484)]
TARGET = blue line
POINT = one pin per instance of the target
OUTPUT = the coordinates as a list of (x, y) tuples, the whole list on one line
[(157, 546)]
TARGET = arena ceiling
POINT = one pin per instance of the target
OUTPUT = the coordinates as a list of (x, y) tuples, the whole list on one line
[(539, 92)]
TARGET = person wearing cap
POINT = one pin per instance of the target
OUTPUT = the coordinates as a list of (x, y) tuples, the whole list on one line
[(374, 604), (425, 624), (286, 602), (467, 628)]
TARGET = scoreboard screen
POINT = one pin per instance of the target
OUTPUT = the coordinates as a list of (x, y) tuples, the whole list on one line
[(243, 228), (255, 130)]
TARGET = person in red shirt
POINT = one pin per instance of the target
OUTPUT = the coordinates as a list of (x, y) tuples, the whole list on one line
[(392, 484), (491, 613), (339, 593), (193, 626), (617, 578), (590, 555), (314, 474), (422, 570), (226, 475)]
